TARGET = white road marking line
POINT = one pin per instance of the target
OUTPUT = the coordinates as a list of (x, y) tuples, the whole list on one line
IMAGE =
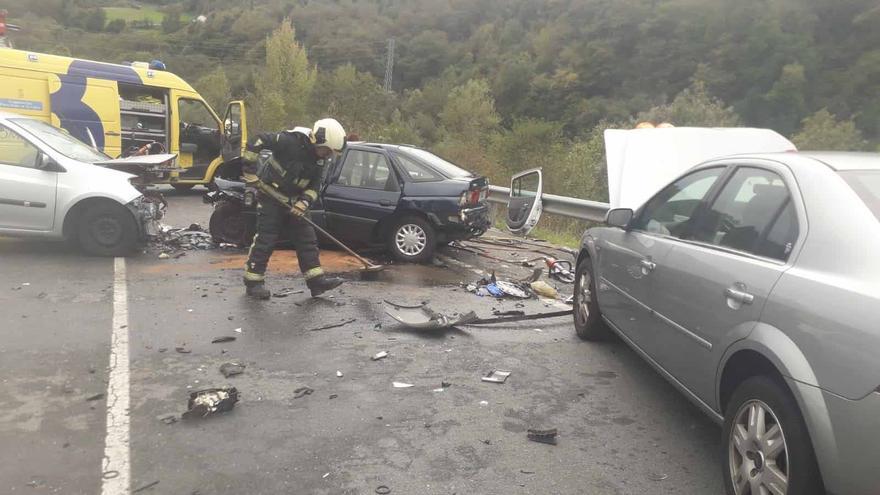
[(116, 475), (447, 259)]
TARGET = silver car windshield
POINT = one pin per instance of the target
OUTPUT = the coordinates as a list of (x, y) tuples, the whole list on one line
[(61, 142), (446, 168), (866, 183)]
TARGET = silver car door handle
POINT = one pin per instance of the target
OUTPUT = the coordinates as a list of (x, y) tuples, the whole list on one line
[(738, 295), (648, 265)]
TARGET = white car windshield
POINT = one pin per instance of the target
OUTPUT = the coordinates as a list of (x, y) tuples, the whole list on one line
[(60, 141)]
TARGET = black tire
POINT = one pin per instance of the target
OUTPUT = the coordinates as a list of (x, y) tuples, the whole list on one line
[(588, 321), (796, 460), (183, 187), (411, 239), (107, 230), (229, 224)]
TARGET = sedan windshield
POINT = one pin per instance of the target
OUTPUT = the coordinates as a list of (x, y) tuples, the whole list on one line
[(61, 142), (446, 168), (866, 183)]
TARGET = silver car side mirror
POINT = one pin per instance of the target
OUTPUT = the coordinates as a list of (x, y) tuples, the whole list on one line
[(619, 217)]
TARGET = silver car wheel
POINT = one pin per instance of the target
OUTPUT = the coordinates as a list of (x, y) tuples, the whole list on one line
[(757, 453), (585, 296), (411, 239)]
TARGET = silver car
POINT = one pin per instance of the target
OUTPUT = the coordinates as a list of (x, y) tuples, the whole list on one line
[(752, 283)]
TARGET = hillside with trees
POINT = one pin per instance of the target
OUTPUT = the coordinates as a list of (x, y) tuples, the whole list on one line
[(503, 85)]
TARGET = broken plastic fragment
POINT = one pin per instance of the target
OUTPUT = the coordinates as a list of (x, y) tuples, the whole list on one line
[(496, 376), (203, 403), (334, 325), (302, 392), (424, 318), (512, 290), (220, 340), (338, 374), (542, 436), (494, 290), (286, 292), (401, 385), (380, 355), (167, 418), (231, 369)]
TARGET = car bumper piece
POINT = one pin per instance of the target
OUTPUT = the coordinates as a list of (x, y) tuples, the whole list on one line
[(147, 211)]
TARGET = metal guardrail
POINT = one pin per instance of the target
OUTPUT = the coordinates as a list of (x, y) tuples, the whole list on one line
[(581, 209)]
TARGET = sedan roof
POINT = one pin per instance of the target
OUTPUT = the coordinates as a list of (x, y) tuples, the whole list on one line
[(840, 160)]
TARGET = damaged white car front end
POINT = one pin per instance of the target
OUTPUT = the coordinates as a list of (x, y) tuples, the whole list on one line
[(54, 186)]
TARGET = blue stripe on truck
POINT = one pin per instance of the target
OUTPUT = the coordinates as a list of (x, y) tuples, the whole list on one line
[(74, 114)]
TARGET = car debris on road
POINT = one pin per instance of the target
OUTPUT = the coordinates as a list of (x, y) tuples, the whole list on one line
[(334, 325), (222, 339), (380, 355), (203, 403), (496, 376), (547, 436), (302, 392), (231, 369), (422, 317)]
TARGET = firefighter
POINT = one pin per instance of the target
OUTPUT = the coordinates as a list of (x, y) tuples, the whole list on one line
[(294, 170)]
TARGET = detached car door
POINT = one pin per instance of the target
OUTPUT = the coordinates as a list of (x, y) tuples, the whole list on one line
[(27, 194), (712, 286), (365, 190), (524, 206), (631, 259)]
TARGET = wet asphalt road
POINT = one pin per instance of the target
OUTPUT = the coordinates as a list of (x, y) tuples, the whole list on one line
[(621, 427)]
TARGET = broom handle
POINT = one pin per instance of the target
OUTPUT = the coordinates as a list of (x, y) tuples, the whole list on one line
[(277, 196), (337, 241)]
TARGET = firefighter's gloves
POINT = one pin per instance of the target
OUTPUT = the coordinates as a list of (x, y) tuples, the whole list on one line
[(299, 208)]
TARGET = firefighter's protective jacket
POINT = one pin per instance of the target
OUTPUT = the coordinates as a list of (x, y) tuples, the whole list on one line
[(295, 169)]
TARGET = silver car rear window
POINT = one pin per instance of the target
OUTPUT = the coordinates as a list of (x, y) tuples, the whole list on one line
[(866, 183)]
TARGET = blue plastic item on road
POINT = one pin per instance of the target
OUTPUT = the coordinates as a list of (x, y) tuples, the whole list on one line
[(494, 290)]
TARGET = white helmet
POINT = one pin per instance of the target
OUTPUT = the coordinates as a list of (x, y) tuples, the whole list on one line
[(328, 133)]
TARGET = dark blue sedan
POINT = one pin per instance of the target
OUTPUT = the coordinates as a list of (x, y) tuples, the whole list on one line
[(402, 197)]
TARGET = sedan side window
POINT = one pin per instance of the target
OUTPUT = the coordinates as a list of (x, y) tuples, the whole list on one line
[(15, 150), (417, 171), (367, 170), (753, 213), (670, 211)]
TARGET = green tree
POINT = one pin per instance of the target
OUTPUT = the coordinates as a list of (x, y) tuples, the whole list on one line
[(529, 143), (95, 19), (398, 130), (352, 97), (284, 86), (692, 107), (469, 125), (115, 26), (786, 102), (823, 131), (469, 113), (171, 22), (214, 87)]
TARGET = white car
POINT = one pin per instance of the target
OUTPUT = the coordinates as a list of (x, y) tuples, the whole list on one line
[(51, 187)]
